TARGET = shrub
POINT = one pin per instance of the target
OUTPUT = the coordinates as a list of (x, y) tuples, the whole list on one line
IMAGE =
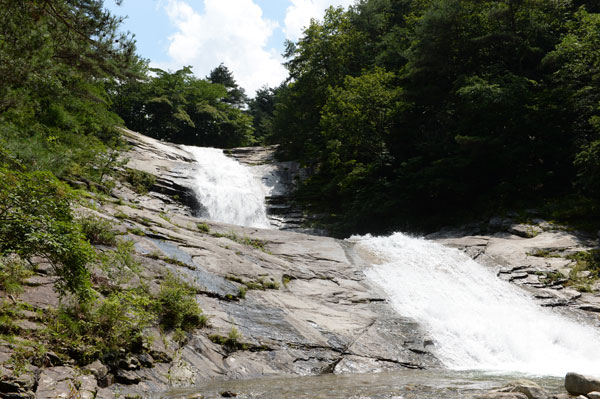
[(140, 181), (12, 273), (120, 264), (177, 306), (110, 325), (98, 231), (203, 227)]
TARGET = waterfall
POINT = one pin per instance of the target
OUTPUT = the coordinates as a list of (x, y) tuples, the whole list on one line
[(477, 320), (228, 191)]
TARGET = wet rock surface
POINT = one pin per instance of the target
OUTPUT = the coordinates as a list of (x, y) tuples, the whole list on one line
[(538, 256), (299, 304), (281, 178)]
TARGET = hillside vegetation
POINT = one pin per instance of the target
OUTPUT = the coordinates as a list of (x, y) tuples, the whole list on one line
[(416, 113)]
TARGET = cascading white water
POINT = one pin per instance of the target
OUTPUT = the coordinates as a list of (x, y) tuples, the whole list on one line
[(228, 190), (477, 320)]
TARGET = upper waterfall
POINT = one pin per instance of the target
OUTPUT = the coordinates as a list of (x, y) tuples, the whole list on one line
[(477, 320), (229, 192)]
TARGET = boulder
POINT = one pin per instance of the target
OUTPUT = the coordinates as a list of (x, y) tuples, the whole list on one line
[(524, 230), (577, 384), (593, 395), (127, 377), (16, 386), (97, 369), (528, 388)]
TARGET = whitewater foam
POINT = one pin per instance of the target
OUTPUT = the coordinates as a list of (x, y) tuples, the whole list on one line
[(477, 320), (228, 190)]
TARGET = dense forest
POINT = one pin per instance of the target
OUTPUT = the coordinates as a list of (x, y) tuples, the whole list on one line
[(415, 113)]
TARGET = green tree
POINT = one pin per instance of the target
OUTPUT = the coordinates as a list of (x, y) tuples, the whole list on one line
[(223, 76), (262, 109), (178, 107), (36, 220)]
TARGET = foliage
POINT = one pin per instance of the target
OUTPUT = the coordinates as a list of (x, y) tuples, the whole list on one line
[(56, 60), (177, 306), (120, 264), (262, 109), (223, 76), (412, 114), (116, 324), (108, 325), (98, 230), (260, 284), (12, 273), (232, 342), (140, 181), (36, 220), (181, 108), (203, 227)]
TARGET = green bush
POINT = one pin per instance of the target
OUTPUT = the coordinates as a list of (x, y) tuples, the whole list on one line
[(98, 231), (203, 227), (120, 264), (177, 307), (12, 273), (140, 181), (109, 325)]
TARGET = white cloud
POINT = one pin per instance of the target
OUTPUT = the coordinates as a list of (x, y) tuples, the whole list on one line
[(299, 14), (230, 31)]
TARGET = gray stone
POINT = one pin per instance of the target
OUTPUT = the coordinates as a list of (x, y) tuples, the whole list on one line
[(529, 388), (127, 377), (145, 360), (56, 382), (524, 230), (593, 395), (578, 384), (98, 369), (105, 394), (129, 363)]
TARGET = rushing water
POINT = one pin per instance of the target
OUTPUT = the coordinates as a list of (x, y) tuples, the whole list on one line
[(477, 320), (228, 190)]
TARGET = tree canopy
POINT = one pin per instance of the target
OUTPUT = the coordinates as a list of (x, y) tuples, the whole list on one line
[(413, 112)]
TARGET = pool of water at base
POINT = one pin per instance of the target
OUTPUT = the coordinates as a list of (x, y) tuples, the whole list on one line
[(410, 384)]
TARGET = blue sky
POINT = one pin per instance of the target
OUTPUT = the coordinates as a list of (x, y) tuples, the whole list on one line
[(246, 35)]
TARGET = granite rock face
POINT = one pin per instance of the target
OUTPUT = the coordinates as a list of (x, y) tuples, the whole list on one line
[(539, 257), (300, 303)]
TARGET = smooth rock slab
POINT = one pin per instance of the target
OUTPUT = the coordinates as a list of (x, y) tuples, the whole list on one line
[(577, 384)]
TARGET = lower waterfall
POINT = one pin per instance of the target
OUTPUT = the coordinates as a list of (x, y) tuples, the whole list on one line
[(477, 320)]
